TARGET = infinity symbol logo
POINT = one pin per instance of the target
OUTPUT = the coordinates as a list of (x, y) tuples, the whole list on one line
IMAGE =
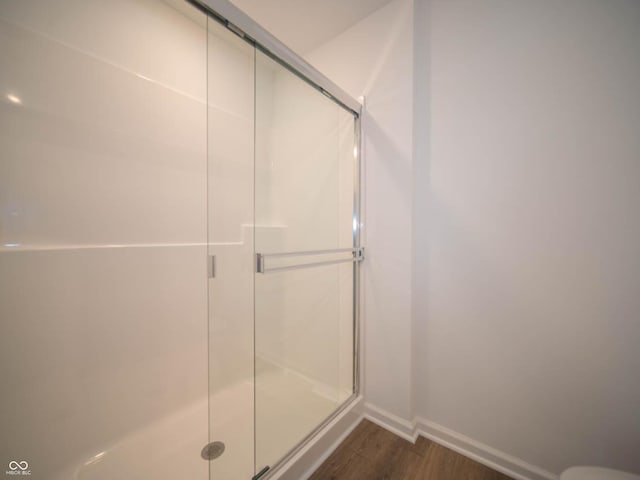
[(23, 465)]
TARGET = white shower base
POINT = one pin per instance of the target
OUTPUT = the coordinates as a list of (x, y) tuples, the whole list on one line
[(167, 449), (289, 406)]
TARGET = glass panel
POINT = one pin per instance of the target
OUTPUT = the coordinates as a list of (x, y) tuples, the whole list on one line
[(304, 165), (304, 201), (304, 338), (103, 297), (230, 187)]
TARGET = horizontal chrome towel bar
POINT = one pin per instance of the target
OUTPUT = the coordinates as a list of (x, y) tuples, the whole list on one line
[(311, 252), (358, 256)]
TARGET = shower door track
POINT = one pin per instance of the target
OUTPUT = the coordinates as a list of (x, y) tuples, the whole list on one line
[(242, 25)]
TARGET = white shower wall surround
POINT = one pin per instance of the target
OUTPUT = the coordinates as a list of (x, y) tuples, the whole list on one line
[(138, 138), (103, 188)]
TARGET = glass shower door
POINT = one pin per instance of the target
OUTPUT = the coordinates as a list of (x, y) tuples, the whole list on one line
[(304, 241), (230, 172), (281, 243)]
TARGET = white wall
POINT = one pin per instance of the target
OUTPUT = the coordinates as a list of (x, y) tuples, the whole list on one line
[(529, 330), (523, 341), (374, 58)]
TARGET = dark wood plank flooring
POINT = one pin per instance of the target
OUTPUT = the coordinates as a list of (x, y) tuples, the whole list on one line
[(372, 453)]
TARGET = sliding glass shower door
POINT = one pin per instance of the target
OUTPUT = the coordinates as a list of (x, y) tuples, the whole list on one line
[(282, 203), (305, 177)]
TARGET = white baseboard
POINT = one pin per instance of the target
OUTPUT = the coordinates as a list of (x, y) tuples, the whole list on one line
[(401, 427), (482, 453), (473, 449)]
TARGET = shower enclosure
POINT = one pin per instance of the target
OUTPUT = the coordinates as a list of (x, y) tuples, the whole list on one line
[(179, 243)]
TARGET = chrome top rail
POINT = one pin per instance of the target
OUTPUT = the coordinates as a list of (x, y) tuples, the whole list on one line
[(261, 267), (245, 27)]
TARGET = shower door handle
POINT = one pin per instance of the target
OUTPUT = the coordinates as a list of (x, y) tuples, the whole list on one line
[(211, 266), (357, 255)]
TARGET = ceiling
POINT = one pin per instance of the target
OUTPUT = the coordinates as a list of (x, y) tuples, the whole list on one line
[(304, 25)]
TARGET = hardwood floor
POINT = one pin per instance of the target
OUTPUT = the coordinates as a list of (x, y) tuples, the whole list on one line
[(372, 453)]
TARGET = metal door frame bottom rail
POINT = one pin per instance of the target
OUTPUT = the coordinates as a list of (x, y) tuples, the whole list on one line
[(292, 453)]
